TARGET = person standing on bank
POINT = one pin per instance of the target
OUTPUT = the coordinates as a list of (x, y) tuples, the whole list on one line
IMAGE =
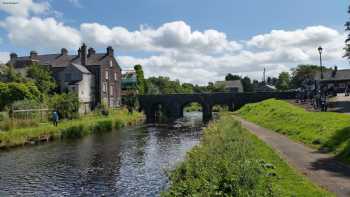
[(55, 118)]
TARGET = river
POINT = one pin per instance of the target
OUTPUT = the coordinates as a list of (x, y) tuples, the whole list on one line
[(129, 162)]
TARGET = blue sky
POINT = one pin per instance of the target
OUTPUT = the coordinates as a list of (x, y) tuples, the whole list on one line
[(176, 38)]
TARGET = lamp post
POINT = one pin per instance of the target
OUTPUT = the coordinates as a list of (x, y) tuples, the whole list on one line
[(320, 50)]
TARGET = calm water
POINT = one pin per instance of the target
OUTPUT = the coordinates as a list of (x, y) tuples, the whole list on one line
[(130, 162)]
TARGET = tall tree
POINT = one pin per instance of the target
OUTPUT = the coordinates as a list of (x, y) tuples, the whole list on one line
[(304, 73), (347, 41), (283, 82), (247, 84), (42, 78), (231, 77), (141, 82)]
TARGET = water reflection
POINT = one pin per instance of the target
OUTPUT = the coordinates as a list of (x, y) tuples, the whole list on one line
[(130, 162)]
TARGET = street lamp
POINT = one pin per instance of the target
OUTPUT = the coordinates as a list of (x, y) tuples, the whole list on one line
[(320, 49)]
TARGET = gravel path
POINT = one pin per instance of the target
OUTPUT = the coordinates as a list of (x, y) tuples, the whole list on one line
[(320, 168)]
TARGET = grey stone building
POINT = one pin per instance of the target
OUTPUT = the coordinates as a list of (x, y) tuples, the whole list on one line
[(95, 77)]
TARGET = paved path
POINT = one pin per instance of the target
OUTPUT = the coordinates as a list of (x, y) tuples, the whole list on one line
[(321, 168)]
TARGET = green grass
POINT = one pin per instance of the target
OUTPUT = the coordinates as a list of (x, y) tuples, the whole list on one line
[(232, 162), (69, 129), (327, 131)]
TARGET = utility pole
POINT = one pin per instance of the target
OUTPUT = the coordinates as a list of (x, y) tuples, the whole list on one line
[(264, 76)]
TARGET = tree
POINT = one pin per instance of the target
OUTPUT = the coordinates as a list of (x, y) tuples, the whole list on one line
[(67, 105), (347, 41), (283, 82), (303, 73), (247, 84), (141, 82), (42, 78), (12, 92), (230, 77), (9, 74)]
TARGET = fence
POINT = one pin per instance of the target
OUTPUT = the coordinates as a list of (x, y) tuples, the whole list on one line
[(42, 115)]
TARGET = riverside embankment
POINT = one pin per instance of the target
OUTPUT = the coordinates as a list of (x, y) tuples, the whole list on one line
[(232, 162), (76, 128)]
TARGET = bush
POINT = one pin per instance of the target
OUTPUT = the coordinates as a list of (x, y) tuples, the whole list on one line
[(74, 132), (9, 124), (11, 92), (103, 125), (67, 105), (119, 124)]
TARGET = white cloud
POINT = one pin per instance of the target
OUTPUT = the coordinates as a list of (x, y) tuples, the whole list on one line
[(4, 57), (37, 33), (170, 36), (23, 8), (182, 53)]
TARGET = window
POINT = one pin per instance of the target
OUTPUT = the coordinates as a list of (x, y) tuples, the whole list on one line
[(106, 75), (111, 90), (68, 77), (110, 63), (115, 76), (104, 87)]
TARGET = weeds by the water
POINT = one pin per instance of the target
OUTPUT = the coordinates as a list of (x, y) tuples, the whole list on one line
[(69, 129), (328, 131), (231, 162)]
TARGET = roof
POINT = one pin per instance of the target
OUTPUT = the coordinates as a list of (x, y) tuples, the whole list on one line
[(334, 75), (81, 68), (61, 60)]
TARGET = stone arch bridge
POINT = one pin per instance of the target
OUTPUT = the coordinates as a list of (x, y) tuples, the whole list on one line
[(173, 104)]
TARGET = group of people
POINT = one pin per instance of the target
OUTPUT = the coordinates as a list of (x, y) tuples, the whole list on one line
[(318, 98)]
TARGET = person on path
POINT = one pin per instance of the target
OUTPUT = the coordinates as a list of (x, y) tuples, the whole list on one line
[(55, 118)]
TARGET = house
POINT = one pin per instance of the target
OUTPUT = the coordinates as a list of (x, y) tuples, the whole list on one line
[(334, 79), (234, 86), (95, 77)]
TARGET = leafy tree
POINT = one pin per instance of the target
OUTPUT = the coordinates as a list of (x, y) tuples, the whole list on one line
[(141, 82), (42, 78), (303, 73), (11, 92), (9, 74), (67, 105), (230, 77), (283, 82), (247, 84), (347, 41)]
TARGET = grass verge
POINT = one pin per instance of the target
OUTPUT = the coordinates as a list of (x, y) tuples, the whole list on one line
[(232, 162), (329, 132), (69, 129)]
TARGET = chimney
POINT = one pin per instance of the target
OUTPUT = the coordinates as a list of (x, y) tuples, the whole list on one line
[(91, 52), (83, 54), (33, 55), (64, 51), (13, 56), (110, 51)]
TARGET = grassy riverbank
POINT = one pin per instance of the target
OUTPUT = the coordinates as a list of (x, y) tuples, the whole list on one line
[(69, 129), (232, 162), (327, 131)]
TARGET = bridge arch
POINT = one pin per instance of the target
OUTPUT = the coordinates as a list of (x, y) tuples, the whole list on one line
[(173, 104)]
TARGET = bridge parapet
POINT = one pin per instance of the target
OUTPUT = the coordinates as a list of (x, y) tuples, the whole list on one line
[(173, 104)]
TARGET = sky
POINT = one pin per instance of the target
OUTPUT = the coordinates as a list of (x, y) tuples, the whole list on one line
[(195, 41)]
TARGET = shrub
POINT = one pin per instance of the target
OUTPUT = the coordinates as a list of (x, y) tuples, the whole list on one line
[(9, 124), (74, 132), (119, 124), (67, 105), (103, 125)]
